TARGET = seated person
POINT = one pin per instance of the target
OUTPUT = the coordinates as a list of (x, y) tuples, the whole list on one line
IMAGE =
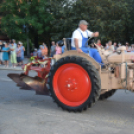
[(80, 41)]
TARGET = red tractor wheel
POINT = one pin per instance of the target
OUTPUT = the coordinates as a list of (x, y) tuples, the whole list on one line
[(74, 83)]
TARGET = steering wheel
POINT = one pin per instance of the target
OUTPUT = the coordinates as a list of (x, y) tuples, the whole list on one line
[(91, 41)]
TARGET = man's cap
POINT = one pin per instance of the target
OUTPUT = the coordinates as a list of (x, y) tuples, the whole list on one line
[(84, 22)]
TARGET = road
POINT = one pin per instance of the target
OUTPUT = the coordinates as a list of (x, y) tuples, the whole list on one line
[(23, 112)]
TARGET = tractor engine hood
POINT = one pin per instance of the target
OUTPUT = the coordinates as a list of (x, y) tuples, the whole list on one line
[(117, 58)]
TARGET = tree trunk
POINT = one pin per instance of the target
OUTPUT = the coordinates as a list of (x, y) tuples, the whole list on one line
[(36, 41), (28, 50)]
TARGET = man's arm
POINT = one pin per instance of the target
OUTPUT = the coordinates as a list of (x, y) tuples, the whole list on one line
[(77, 45), (96, 34), (91, 34)]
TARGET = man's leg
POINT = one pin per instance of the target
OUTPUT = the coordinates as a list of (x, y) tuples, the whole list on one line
[(95, 54)]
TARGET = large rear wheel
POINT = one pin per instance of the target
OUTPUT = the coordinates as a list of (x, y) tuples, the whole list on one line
[(74, 83)]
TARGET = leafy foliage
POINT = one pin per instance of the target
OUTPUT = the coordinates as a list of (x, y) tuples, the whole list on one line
[(110, 18), (46, 19), (24, 18)]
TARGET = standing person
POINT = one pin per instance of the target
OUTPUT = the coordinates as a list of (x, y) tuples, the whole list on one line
[(45, 51), (80, 39), (115, 46), (58, 49), (106, 46), (119, 45), (110, 46), (5, 51), (14, 41), (98, 43), (13, 55), (35, 52), (128, 48), (52, 50), (132, 48), (18, 51), (22, 52), (39, 52), (44, 45), (1, 53)]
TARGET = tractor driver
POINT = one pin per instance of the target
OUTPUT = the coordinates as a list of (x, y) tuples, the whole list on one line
[(80, 41)]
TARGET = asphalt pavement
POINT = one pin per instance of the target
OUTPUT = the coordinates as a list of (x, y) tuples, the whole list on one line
[(23, 112)]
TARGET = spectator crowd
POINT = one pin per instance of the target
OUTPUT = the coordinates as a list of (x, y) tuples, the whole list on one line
[(112, 46), (15, 51), (11, 51), (42, 52)]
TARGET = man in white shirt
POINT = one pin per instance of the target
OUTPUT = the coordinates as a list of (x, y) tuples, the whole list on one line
[(80, 40)]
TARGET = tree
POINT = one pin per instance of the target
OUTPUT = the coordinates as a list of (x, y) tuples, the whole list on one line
[(109, 17), (46, 19), (130, 24), (27, 18)]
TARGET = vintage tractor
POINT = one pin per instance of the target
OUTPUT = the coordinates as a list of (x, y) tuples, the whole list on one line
[(75, 80)]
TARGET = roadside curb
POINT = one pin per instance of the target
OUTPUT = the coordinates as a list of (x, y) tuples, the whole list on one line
[(10, 68)]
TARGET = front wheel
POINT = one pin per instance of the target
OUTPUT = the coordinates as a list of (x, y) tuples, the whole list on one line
[(74, 83), (106, 95)]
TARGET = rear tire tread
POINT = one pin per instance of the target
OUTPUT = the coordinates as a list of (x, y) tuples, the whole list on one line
[(93, 74)]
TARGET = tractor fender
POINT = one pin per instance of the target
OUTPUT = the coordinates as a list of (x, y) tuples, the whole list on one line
[(79, 54)]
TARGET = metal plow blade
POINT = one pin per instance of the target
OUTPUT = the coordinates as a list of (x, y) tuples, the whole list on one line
[(17, 79), (29, 83), (37, 83)]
